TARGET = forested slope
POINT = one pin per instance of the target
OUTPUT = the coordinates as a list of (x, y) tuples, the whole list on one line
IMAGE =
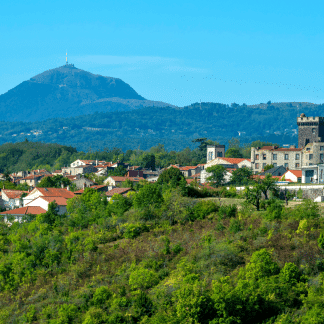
[(159, 256), (173, 127)]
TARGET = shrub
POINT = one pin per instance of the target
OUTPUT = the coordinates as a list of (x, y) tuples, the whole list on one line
[(235, 226), (204, 208), (227, 211), (142, 278), (274, 210), (290, 273), (95, 316), (101, 295), (132, 231), (176, 249), (320, 241)]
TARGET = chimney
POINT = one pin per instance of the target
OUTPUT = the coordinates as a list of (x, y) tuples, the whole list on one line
[(62, 185), (68, 188), (96, 162)]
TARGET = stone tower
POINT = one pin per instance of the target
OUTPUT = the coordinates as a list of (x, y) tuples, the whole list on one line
[(310, 130)]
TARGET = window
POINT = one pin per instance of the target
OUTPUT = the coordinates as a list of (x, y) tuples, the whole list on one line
[(321, 148), (286, 156), (264, 156), (321, 174), (210, 155), (274, 156), (220, 154), (257, 165), (257, 156), (313, 130), (307, 149), (263, 165), (297, 156), (274, 164), (321, 157), (286, 165), (310, 156), (297, 165)]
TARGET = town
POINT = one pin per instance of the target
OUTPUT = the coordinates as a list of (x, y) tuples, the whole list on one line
[(286, 165)]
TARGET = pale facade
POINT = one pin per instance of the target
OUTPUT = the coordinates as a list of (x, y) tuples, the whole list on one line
[(214, 151), (291, 158)]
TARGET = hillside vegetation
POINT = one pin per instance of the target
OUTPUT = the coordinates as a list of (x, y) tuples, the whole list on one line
[(173, 127), (160, 256)]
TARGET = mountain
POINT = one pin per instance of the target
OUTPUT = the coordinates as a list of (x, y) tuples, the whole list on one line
[(67, 92)]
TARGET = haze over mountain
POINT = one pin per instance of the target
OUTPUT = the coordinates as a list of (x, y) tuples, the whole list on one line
[(67, 91)]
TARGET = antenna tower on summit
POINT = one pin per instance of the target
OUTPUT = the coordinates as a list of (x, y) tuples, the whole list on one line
[(66, 59)]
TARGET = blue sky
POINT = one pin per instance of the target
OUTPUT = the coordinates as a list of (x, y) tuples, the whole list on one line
[(179, 52)]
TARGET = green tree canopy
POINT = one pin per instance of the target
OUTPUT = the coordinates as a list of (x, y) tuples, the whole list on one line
[(217, 177), (54, 182)]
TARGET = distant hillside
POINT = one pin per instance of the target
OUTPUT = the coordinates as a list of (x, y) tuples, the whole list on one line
[(173, 127), (67, 92)]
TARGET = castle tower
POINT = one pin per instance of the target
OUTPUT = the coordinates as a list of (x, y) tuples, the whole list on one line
[(310, 130)]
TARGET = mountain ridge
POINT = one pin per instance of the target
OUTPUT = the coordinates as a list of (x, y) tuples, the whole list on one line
[(67, 91)]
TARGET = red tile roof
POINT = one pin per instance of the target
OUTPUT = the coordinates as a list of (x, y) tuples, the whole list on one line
[(185, 168), (257, 176), (234, 160), (279, 149), (59, 200), (189, 180), (34, 210), (297, 173), (120, 191), (55, 192), (12, 194)]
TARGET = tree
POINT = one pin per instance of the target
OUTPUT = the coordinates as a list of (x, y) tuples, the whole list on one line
[(260, 186), (148, 162), (253, 195), (120, 171), (150, 194), (241, 176), (218, 175), (171, 176), (54, 182), (234, 153), (267, 184)]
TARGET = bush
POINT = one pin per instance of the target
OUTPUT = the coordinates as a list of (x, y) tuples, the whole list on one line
[(320, 241), (203, 208), (101, 295), (176, 249), (235, 226), (132, 231), (274, 211), (227, 211), (142, 278)]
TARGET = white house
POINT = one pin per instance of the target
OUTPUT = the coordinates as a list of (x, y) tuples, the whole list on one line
[(235, 162), (16, 215), (12, 198), (292, 175), (313, 174), (43, 203), (47, 192)]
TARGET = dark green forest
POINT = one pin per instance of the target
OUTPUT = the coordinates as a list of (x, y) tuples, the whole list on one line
[(26, 155), (162, 255), (174, 127)]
